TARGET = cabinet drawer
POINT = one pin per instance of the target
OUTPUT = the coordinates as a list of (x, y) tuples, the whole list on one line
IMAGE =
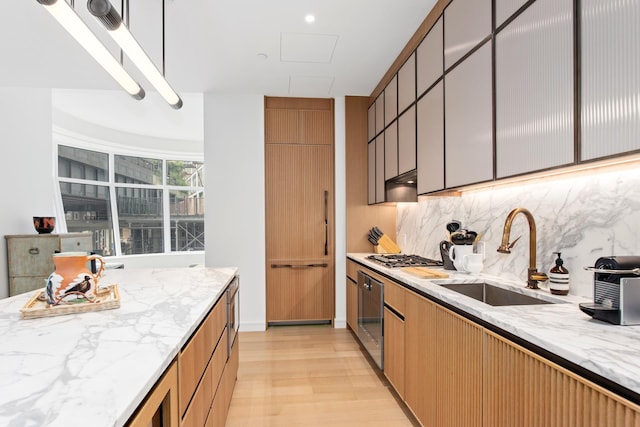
[(196, 354), (31, 256), (394, 296), (76, 242), (198, 410), (20, 285)]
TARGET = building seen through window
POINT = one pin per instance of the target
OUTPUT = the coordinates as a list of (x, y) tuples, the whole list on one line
[(132, 205)]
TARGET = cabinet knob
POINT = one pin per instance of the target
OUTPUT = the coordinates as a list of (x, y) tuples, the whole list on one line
[(34, 251)]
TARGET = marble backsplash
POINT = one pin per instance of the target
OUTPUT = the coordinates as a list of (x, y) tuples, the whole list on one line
[(584, 216)]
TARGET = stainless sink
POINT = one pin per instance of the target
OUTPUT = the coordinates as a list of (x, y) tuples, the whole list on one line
[(493, 295)]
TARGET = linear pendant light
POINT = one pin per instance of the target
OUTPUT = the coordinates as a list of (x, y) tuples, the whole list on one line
[(109, 17), (70, 21)]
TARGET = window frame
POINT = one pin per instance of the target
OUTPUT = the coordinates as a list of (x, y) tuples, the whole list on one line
[(112, 151)]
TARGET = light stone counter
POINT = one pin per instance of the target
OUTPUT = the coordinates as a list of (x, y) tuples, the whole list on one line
[(94, 369), (610, 351)]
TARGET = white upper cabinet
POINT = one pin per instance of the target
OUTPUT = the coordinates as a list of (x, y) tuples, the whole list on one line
[(380, 113), (466, 23), (391, 101), (380, 190), (429, 58), (371, 122), (610, 77), (534, 89), (391, 151), (506, 8), (407, 83), (430, 135), (371, 172), (407, 141), (468, 120)]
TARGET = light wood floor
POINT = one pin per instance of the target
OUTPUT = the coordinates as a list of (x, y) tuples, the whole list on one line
[(309, 376)]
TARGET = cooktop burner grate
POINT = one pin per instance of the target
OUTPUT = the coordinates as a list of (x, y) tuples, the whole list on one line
[(403, 260)]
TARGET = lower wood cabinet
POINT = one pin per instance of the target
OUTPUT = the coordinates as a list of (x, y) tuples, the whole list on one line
[(457, 373), (458, 379), (352, 295), (523, 389), (160, 407)]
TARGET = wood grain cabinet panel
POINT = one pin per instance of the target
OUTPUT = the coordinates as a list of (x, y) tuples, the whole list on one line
[(420, 358), (394, 350), (459, 377), (394, 295), (524, 389), (352, 304)]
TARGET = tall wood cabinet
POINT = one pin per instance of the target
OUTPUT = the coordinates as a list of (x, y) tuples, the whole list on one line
[(299, 164), (30, 257)]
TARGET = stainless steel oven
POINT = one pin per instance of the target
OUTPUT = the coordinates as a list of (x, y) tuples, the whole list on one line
[(370, 312), (233, 312)]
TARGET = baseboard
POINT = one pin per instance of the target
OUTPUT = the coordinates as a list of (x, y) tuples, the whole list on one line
[(253, 326), (339, 323)]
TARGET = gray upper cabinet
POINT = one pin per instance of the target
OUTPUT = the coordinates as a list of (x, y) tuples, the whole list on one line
[(534, 90), (429, 58), (380, 190), (391, 151), (610, 82), (371, 172), (391, 101), (407, 141), (468, 120), (466, 23), (371, 122), (380, 113), (506, 8), (407, 84), (430, 135)]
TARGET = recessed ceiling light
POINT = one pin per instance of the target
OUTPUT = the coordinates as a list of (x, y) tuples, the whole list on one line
[(310, 18)]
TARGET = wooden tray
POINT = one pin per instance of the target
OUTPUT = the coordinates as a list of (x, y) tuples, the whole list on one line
[(426, 273), (107, 298)]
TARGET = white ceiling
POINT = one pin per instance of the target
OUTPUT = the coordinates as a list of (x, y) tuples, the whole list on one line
[(226, 46), (219, 45)]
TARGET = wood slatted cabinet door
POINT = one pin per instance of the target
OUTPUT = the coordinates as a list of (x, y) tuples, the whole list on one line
[(459, 365), (299, 211), (420, 357), (523, 389), (394, 350)]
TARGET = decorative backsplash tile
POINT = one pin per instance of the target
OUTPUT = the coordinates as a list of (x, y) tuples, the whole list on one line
[(584, 217)]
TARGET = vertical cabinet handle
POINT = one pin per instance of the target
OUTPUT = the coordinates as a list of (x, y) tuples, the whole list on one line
[(326, 222)]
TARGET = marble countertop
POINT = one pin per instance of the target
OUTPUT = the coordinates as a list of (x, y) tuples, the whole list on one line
[(94, 369), (611, 351)]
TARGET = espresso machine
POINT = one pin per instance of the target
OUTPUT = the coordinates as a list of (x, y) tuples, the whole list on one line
[(616, 290)]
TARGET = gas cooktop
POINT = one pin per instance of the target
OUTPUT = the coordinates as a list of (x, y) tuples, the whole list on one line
[(402, 260)]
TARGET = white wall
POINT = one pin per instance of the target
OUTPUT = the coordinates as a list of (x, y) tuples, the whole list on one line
[(234, 210), (27, 164), (341, 214)]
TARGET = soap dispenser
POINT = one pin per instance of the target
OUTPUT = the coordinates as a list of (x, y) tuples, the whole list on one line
[(559, 278)]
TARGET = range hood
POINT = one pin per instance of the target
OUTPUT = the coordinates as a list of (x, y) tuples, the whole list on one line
[(403, 188)]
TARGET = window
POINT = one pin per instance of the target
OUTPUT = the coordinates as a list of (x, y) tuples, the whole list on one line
[(132, 205)]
